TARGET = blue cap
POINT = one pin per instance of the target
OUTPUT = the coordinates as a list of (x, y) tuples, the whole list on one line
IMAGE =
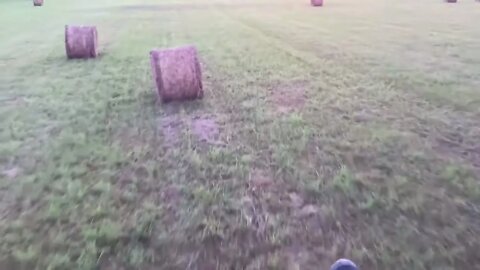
[(343, 264)]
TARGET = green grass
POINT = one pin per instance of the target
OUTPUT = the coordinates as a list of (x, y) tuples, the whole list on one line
[(350, 130)]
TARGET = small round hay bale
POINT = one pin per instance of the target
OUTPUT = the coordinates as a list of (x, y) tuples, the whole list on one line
[(177, 73), (37, 3), (316, 3), (81, 41)]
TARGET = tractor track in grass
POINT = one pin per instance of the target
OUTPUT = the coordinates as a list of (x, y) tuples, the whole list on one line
[(421, 111)]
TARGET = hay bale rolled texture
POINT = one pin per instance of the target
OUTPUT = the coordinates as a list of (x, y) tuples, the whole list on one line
[(316, 3), (38, 3), (177, 73), (81, 41)]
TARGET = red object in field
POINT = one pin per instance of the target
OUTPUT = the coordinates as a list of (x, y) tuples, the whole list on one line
[(177, 73), (81, 41), (316, 3), (37, 3)]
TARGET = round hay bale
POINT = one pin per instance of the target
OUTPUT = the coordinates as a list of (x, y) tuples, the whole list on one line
[(177, 73), (81, 41), (37, 3), (316, 3)]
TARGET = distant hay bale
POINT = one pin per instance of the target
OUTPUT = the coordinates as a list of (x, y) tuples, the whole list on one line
[(38, 3), (81, 41), (177, 73), (316, 3), (451, 1)]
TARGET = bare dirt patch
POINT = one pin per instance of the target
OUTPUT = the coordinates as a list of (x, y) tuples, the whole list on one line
[(277, 196), (206, 129), (288, 98)]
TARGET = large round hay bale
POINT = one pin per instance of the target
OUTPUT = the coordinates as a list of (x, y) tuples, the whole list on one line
[(177, 73), (38, 3), (316, 3), (81, 41)]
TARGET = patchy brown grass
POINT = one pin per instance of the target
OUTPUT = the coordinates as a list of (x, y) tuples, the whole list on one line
[(206, 129), (288, 97)]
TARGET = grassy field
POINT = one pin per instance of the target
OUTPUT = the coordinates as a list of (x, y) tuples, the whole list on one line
[(351, 130)]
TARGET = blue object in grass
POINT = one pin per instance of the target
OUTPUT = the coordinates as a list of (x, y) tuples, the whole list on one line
[(343, 264)]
